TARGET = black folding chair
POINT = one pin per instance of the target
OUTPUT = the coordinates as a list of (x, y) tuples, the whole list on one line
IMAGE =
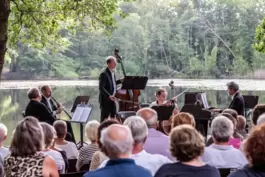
[(76, 174), (224, 172), (72, 164)]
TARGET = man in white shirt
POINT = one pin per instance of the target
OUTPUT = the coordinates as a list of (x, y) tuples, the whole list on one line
[(3, 133), (139, 130)]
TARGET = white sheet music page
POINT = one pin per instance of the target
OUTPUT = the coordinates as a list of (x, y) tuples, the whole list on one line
[(81, 114)]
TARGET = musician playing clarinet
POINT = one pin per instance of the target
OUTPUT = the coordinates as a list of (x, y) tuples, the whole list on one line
[(46, 99), (107, 89)]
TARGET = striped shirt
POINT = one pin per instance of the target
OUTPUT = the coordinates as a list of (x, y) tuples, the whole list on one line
[(85, 155)]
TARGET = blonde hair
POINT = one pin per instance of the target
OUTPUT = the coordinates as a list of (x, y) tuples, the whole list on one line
[(183, 118), (92, 130)]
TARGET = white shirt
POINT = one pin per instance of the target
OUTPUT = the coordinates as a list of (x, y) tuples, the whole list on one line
[(50, 106), (113, 82), (151, 162), (57, 157), (4, 152), (70, 149)]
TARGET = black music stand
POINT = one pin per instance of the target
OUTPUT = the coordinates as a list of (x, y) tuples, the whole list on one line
[(163, 112), (81, 116), (134, 82), (79, 100), (250, 102)]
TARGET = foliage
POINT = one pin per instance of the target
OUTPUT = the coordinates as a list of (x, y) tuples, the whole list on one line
[(160, 39)]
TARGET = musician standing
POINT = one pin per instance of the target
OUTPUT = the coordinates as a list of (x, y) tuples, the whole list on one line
[(237, 103), (107, 89)]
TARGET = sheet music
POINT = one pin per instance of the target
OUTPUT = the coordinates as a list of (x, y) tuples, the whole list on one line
[(81, 114), (204, 100)]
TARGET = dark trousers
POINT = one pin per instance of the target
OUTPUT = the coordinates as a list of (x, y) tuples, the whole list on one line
[(108, 108), (70, 133)]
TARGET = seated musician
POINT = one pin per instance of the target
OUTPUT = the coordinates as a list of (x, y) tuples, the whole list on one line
[(46, 99), (161, 96), (237, 103)]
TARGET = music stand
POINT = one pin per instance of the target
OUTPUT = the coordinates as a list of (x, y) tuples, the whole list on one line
[(250, 102), (134, 83), (81, 116), (79, 100), (163, 112)]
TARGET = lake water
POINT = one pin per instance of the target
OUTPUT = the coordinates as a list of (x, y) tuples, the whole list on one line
[(13, 97)]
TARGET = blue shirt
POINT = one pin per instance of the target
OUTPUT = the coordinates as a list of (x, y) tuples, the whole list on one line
[(248, 172), (120, 168), (182, 170)]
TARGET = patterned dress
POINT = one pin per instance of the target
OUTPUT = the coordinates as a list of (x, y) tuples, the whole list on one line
[(30, 166)]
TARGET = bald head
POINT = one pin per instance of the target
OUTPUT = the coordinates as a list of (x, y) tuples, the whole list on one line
[(117, 141), (149, 115)]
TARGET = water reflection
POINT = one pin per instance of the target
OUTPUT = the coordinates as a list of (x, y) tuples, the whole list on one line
[(14, 101)]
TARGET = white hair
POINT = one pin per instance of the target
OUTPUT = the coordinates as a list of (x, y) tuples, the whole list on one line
[(3, 132), (222, 129), (138, 128), (113, 147), (91, 129), (261, 119), (150, 120), (110, 58)]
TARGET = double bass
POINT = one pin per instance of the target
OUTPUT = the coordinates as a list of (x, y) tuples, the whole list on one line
[(128, 99)]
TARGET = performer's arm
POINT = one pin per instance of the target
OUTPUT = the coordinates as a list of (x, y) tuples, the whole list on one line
[(102, 84)]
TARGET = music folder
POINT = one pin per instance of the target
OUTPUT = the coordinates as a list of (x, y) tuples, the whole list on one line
[(164, 112), (82, 113)]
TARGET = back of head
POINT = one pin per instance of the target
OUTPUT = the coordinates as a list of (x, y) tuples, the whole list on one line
[(232, 112), (92, 130), (138, 128), (257, 111), (117, 141), (60, 128), (104, 125), (28, 138), (241, 122), (33, 93), (222, 129), (254, 147), (183, 118), (230, 117), (186, 143), (3, 132), (149, 115), (49, 134)]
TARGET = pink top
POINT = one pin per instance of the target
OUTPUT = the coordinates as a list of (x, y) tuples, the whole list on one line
[(235, 142)]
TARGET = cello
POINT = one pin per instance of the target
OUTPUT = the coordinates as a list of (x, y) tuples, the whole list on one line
[(128, 99)]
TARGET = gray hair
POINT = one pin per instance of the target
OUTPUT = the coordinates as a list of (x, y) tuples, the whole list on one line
[(138, 128), (33, 93), (60, 128), (114, 148), (44, 87), (149, 115), (28, 138), (222, 128), (3, 132), (92, 130), (261, 119), (49, 134), (109, 58), (232, 85)]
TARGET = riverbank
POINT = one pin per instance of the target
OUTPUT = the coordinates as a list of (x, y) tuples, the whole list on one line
[(206, 84)]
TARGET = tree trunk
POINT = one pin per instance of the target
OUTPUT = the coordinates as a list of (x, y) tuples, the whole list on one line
[(4, 14)]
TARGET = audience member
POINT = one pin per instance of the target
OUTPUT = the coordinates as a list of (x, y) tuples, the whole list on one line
[(49, 135), (117, 143), (232, 112), (241, 126), (1, 168), (255, 152), (261, 119), (257, 111), (221, 154), (156, 142), (25, 158), (99, 156), (186, 145), (234, 121), (37, 109), (60, 142), (142, 158), (86, 152), (182, 118), (3, 133)]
